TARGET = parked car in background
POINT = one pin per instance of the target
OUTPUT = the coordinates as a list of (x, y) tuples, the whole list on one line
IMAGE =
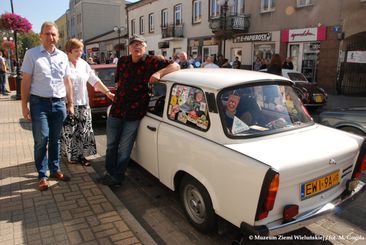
[(97, 100), (224, 140), (310, 94), (352, 119)]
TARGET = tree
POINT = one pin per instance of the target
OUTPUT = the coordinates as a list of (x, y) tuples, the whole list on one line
[(29, 40)]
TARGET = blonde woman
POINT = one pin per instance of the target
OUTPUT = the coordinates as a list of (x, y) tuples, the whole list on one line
[(77, 140)]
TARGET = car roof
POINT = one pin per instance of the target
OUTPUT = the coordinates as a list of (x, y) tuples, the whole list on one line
[(218, 78), (101, 66)]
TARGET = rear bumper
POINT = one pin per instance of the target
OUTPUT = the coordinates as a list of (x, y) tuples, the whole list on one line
[(304, 219)]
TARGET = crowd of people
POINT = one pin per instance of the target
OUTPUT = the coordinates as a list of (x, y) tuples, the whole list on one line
[(55, 99)]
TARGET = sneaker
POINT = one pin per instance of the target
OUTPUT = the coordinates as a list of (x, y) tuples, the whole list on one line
[(109, 181)]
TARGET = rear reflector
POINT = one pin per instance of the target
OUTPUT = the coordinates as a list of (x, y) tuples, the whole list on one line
[(289, 212)]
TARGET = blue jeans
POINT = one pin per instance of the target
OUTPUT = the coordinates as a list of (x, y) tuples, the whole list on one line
[(47, 120), (121, 135), (2, 83)]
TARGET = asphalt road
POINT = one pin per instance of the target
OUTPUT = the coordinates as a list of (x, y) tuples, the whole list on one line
[(158, 210)]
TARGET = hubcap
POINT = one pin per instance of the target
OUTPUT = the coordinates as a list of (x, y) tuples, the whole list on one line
[(194, 204)]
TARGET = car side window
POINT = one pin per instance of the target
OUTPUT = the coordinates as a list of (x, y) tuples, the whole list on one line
[(188, 106), (157, 99)]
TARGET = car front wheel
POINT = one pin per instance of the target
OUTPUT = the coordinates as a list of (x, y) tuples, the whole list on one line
[(197, 204)]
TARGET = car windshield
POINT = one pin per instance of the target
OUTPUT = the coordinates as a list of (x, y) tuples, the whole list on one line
[(261, 109), (106, 75), (296, 77)]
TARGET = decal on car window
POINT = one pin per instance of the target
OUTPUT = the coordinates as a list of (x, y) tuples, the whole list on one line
[(188, 106)]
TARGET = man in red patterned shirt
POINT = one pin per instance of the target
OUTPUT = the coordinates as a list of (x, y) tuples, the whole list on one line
[(134, 73)]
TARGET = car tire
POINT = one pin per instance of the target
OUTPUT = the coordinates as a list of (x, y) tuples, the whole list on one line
[(197, 204), (352, 130)]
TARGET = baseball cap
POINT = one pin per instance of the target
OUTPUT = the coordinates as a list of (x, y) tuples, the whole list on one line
[(136, 38)]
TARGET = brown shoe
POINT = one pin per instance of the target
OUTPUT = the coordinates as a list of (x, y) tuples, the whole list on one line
[(60, 176), (43, 185)]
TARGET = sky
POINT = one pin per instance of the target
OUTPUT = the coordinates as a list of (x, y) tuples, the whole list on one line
[(37, 11)]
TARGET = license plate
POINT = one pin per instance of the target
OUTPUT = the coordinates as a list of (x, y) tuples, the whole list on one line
[(318, 98), (319, 185)]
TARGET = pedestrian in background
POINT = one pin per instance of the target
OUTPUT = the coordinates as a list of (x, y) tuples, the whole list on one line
[(275, 66), (133, 74), (45, 84), (183, 61), (288, 64), (236, 63), (77, 139), (3, 71), (209, 63)]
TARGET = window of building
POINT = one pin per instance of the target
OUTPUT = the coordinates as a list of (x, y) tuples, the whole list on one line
[(178, 14), (197, 11), (151, 23), (164, 18), (133, 26), (304, 3), (238, 7), (214, 9), (188, 106), (78, 19), (141, 24), (268, 5)]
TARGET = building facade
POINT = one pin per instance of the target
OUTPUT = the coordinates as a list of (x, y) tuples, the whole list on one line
[(90, 20), (62, 29)]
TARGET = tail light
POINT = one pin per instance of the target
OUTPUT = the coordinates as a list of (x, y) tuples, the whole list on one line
[(361, 167), (361, 162), (268, 194)]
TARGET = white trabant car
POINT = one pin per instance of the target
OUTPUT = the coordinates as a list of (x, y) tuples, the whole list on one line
[(240, 145)]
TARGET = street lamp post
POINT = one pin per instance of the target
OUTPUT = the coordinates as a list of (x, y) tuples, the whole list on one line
[(119, 31), (224, 8), (18, 80)]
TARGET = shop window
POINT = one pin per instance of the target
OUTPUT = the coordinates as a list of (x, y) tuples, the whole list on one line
[(303, 3), (268, 5), (188, 106)]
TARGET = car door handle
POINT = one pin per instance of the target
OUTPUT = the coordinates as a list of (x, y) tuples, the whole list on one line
[(151, 128)]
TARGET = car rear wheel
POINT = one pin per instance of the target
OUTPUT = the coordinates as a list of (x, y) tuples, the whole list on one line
[(353, 130), (197, 204)]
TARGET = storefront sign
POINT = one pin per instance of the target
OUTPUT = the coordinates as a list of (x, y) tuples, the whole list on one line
[(257, 37), (356, 57), (304, 35)]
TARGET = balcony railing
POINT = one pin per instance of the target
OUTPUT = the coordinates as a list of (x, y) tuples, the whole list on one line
[(232, 24), (172, 31)]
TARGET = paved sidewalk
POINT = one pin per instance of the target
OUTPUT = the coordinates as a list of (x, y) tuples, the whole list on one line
[(75, 212)]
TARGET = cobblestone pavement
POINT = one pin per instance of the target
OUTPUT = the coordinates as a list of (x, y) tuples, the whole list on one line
[(75, 212)]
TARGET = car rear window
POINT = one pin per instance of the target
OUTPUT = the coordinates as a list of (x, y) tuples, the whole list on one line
[(261, 109), (296, 76), (106, 75)]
